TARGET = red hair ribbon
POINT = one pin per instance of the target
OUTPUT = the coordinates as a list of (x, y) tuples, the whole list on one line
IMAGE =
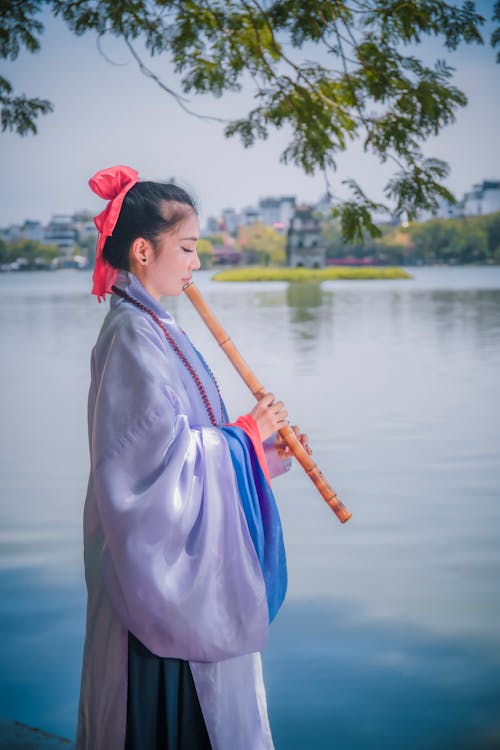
[(112, 184)]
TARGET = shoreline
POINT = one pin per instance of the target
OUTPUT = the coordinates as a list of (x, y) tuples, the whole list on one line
[(330, 273), (14, 735)]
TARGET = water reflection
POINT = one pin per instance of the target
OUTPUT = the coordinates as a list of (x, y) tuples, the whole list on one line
[(311, 321), (303, 298), (41, 640), (471, 313), (358, 684)]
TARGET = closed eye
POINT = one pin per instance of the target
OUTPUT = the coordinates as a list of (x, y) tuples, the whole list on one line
[(188, 250)]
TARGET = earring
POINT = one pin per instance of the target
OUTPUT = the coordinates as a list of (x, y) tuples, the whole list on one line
[(144, 260)]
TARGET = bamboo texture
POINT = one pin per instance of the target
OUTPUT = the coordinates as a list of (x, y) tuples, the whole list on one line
[(288, 435)]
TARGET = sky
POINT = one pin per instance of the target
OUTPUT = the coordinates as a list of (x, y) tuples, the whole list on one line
[(107, 114)]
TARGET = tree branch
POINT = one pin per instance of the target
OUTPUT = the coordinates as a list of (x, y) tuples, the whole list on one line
[(181, 101)]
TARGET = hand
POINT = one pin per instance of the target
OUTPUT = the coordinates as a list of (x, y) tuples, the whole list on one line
[(269, 415), (282, 448)]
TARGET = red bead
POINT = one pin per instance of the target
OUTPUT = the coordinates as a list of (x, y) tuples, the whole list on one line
[(182, 357)]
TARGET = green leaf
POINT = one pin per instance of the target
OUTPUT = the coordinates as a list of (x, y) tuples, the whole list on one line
[(329, 73), (18, 113)]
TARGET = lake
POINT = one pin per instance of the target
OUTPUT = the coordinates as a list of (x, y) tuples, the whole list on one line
[(390, 634)]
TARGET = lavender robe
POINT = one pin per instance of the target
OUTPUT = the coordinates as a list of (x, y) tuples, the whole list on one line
[(168, 553)]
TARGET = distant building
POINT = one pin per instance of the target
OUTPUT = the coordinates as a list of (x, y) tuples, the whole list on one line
[(305, 245), (269, 209), (277, 211), (325, 203), (447, 210), (287, 209), (61, 231), (33, 230), (250, 215), (10, 233), (444, 210), (30, 230), (213, 225), (484, 198), (230, 220)]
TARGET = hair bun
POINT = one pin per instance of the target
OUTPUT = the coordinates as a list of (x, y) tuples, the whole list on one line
[(108, 183)]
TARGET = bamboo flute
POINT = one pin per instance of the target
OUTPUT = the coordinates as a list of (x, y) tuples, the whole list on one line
[(288, 435)]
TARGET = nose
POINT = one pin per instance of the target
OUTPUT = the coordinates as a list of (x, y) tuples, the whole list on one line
[(195, 262)]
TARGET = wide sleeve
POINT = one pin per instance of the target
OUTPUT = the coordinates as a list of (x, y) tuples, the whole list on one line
[(261, 511), (178, 561)]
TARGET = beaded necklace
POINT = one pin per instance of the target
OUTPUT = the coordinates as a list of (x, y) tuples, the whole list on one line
[(177, 350)]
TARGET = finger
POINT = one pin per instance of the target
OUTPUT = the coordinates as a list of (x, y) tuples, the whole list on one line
[(281, 416), (267, 400), (305, 443)]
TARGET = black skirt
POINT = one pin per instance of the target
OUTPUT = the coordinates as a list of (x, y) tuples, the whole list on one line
[(163, 710)]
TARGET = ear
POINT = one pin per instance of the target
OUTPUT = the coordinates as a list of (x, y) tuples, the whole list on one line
[(141, 252)]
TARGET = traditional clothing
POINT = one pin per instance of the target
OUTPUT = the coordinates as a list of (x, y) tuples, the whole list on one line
[(182, 538)]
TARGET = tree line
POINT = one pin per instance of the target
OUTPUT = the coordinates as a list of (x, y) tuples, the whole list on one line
[(471, 239), (27, 254)]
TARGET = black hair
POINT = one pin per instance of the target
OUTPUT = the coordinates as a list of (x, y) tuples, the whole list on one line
[(143, 215)]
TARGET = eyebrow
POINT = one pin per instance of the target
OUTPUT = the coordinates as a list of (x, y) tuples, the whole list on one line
[(193, 239)]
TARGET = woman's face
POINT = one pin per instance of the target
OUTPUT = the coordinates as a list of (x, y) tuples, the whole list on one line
[(171, 267)]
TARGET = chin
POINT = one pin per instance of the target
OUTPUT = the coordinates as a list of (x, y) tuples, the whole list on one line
[(171, 291), (174, 292)]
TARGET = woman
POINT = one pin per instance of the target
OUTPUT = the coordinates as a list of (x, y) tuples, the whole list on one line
[(184, 558)]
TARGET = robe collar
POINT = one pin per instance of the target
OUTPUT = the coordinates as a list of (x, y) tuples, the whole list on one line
[(129, 283)]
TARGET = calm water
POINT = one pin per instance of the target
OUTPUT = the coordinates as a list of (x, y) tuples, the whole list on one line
[(390, 636)]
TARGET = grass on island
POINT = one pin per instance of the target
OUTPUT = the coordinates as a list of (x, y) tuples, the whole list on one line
[(310, 274)]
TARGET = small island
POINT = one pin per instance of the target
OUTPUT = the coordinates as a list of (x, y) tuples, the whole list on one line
[(332, 273)]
